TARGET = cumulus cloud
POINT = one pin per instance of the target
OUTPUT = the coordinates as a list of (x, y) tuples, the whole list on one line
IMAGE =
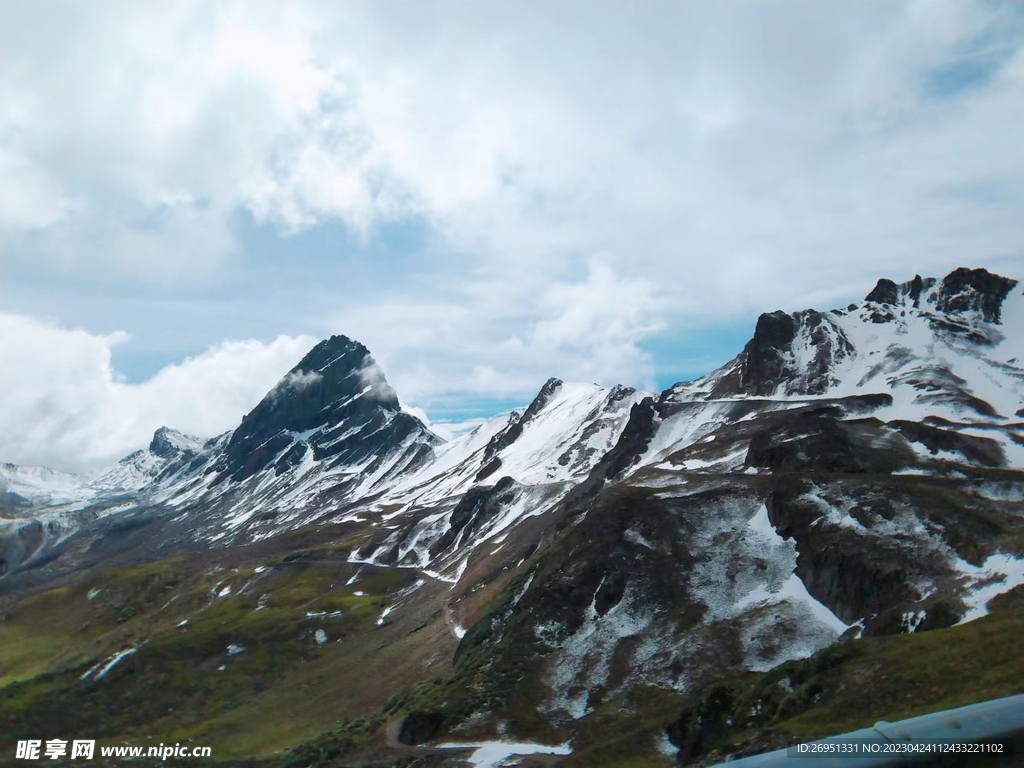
[(724, 132), (62, 404), (666, 166), (503, 339)]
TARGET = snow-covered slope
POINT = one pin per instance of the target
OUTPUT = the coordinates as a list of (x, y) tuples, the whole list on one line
[(557, 439), (22, 487), (508, 469), (939, 347), (950, 349)]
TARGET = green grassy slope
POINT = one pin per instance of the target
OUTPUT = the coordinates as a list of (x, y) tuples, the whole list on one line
[(340, 702)]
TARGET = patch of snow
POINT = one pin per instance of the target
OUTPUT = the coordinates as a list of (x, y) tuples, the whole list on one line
[(320, 637), (494, 754), (234, 650), (632, 535), (1000, 573), (458, 573), (105, 666), (666, 747), (767, 581), (583, 660), (522, 590)]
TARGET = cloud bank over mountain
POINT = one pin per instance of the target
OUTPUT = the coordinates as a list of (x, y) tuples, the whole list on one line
[(62, 405), (488, 195)]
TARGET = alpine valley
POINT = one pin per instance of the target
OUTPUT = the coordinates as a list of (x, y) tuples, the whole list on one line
[(825, 532)]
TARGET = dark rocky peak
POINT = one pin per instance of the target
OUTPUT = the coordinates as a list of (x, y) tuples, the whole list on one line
[(619, 392), (767, 361), (336, 390), (336, 368), (895, 294), (962, 291), (336, 372), (169, 443), (884, 292), (765, 356), (551, 386), (974, 290)]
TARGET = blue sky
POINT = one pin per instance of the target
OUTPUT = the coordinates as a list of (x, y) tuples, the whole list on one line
[(486, 195)]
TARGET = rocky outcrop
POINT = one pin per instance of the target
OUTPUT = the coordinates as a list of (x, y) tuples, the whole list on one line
[(478, 506), (168, 443), (769, 365), (974, 290)]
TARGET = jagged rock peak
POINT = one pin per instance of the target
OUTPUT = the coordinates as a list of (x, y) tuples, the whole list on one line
[(961, 291), (337, 368), (511, 432), (978, 290), (168, 443), (336, 351), (336, 389), (767, 358), (888, 292), (551, 386)]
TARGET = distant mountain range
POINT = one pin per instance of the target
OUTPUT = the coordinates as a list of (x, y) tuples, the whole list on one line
[(858, 471)]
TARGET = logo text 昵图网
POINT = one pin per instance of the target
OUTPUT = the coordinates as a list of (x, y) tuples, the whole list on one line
[(54, 749)]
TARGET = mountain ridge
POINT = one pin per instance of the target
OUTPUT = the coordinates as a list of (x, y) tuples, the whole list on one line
[(853, 472)]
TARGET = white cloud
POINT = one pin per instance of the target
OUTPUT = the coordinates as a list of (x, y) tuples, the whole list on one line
[(504, 339), (295, 381), (62, 405), (721, 159)]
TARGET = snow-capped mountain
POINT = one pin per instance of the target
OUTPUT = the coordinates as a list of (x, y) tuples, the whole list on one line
[(25, 487), (929, 343), (330, 441), (858, 471), (851, 470)]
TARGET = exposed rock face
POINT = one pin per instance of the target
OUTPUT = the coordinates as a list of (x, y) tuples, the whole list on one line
[(818, 441), (769, 362), (418, 727), (20, 545), (478, 506), (974, 290), (765, 360), (888, 292), (884, 292), (168, 443), (335, 402)]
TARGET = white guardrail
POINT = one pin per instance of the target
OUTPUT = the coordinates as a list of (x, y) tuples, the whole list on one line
[(987, 734)]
